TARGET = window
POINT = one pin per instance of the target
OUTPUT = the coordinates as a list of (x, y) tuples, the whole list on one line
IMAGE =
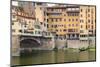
[(72, 24), (88, 10), (51, 20), (56, 20), (25, 25), (76, 14), (47, 25), (64, 19), (64, 14), (33, 4), (92, 22), (82, 35), (48, 33), (39, 32), (90, 30), (44, 13), (56, 30), (40, 8), (81, 26), (81, 15), (64, 30), (60, 19), (72, 19), (92, 27), (55, 26), (35, 32), (39, 3), (52, 26), (81, 10), (86, 26), (51, 9), (41, 23), (61, 25), (44, 24), (81, 21), (71, 30), (69, 20), (44, 19), (72, 14), (47, 20), (13, 16), (12, 23), (88, 21), (69, 25), (20, 30), (55, 14), (81, 31), (76, 19), (73, 35)]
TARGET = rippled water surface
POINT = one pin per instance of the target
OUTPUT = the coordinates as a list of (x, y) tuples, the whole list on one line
[(60, 56)]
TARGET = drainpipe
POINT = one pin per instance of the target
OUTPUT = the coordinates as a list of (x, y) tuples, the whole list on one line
[(66, 41)]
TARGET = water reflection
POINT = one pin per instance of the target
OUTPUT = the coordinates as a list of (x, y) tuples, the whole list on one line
[(42, 57)]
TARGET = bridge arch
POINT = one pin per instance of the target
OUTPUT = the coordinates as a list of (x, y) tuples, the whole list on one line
[(29, 43)]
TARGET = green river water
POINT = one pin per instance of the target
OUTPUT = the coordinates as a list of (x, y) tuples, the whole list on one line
[(60, 56)]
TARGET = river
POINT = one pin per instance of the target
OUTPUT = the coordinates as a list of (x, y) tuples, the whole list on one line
[(60, 56)]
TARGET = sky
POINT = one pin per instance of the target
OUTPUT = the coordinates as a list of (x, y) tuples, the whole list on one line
[(15, 3)]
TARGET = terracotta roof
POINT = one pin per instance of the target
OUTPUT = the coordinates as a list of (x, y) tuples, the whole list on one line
[(28, 17)]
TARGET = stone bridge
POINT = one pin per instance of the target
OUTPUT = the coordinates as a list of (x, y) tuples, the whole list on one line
[(22, 43)]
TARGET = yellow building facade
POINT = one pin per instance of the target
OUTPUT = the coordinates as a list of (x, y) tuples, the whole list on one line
[(75, 21), (87, 21), (64, 20), (56, 20)]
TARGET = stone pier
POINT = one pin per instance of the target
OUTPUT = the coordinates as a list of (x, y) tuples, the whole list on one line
[(60, 44), (15, 47)]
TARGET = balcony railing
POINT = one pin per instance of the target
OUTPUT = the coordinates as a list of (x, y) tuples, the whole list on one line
[(73, 11), (72, 38), (54, 11)]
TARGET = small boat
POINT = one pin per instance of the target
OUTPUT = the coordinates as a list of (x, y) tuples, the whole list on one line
[(83, 49)]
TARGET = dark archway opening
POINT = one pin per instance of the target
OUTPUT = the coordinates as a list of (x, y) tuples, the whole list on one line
[(27, 46), (29, 43)]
